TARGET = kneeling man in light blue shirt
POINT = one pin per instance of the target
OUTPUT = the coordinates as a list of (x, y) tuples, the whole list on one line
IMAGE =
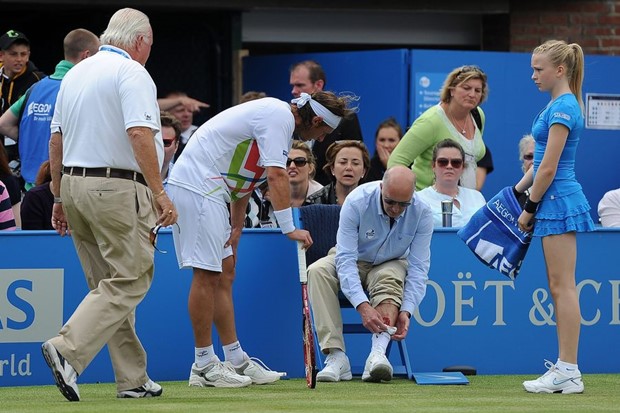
[(381, 262)]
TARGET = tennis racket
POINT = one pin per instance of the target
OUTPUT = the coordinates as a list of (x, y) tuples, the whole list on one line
[(308, 334)]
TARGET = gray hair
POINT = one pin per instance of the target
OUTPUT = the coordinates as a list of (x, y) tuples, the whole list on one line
[(124, 28), (523, 144)]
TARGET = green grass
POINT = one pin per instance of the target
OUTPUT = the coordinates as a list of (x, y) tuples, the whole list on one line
[(484, 393)]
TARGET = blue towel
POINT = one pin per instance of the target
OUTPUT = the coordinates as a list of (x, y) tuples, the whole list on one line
[(494, 236)]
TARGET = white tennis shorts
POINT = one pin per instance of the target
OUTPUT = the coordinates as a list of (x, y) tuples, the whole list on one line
[(202, 231)]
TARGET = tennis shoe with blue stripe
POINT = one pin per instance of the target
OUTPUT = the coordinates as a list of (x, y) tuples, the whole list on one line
[(555, 381)]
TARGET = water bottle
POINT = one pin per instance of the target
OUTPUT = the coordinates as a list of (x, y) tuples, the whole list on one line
[(446, 213)]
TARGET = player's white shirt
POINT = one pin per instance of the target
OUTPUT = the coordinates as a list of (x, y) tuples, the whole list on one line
[(227, 156)]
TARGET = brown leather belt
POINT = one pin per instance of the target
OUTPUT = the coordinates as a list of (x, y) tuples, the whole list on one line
[(104, 173)]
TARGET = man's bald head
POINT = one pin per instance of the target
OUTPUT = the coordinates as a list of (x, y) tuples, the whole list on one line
[(397, 190), (399, 176)]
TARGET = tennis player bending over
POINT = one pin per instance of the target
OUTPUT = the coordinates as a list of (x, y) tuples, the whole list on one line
[(383, 247), (226, 158)]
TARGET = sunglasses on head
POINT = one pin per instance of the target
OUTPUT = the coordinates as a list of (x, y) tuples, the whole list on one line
[(168, 142), (443, 162), (391, 202), (469, 69), (299, 162), (528, 156)]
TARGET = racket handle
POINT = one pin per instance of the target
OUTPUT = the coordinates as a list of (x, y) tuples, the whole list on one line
[(301, 261)]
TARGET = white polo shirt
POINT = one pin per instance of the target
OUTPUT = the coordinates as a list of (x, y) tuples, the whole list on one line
[(226, 157), (99, 99)]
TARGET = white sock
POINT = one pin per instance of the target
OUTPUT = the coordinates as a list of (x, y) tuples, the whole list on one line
[(565, 368), (234, 353), (203, 355), (380, 342)]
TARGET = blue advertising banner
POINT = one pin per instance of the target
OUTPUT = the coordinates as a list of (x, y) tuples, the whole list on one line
[(471, 315)]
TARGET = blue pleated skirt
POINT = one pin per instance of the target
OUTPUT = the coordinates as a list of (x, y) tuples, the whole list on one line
[(562, 214)]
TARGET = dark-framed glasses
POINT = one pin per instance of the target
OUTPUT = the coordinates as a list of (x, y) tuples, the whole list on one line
[(168, 142), (391, 202), (154, 232), (528, 156), (299, 162), (444, 162)]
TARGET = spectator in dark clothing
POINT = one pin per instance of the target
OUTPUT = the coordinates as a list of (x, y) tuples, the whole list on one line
[(36, 210), (347, 164), (387, 137), (485, 167), (17, 74)]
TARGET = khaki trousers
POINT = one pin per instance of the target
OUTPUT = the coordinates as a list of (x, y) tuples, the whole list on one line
[(110, 219), (382, 282)]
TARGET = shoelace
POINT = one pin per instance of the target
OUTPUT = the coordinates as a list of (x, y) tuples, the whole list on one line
[(262, 365), (550, 367)]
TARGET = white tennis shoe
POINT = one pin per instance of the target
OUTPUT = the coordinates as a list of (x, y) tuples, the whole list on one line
[(337, 367), (377, 368), (256, 370), (554, 381), (217, 374)]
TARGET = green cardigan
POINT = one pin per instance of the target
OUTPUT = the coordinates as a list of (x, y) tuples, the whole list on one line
[(416, 148)]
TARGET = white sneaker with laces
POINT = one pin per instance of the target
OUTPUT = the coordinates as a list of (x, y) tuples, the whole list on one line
[(554, 381), (377, 368), (256, 370), (148, 389), (217, 374), (64, 374), (336, 368)]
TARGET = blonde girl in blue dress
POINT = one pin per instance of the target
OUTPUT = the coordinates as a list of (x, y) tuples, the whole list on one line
[(557, 208)]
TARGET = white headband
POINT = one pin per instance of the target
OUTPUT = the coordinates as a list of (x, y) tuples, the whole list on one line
[(329, 118)]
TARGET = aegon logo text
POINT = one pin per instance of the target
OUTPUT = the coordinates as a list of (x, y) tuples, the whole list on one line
[(39, 108), (31, 302)]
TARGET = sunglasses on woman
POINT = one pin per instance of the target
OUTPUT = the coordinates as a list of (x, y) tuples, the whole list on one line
[(456, 162), (528, 156), (299, 162)]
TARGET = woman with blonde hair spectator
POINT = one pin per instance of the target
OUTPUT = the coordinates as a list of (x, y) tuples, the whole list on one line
[(347, 162), (448, 165), (458, 117), (387, 136)]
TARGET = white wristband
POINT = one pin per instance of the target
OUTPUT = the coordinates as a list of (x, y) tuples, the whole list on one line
[(285, 220)]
